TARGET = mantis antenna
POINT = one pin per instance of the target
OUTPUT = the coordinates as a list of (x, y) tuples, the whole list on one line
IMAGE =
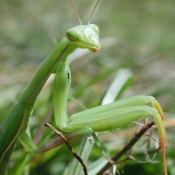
[(76, 12), (93, 11)]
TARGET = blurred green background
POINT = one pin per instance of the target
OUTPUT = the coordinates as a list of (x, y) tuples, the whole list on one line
[(136, 34)]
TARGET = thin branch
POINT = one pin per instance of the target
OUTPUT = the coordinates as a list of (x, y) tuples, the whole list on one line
[(41, 129), (57, 142), (69, 146), (127, 147)]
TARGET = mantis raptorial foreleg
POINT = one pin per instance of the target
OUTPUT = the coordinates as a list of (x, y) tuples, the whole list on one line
[(102, 118)]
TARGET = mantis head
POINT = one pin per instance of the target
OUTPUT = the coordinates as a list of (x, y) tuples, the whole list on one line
[(85, 36)]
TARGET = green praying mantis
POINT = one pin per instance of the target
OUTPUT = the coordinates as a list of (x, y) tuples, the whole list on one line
[(102, 118)]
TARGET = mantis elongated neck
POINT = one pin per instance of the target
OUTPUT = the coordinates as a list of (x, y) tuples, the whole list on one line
[(62, 50), (32, 90)]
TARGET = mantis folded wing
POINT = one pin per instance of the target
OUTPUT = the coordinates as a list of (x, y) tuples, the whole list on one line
[(101, 118)]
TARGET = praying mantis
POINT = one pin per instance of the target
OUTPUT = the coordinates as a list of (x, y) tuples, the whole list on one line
[(98, 119)]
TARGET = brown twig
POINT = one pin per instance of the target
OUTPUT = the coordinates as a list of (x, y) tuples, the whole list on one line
[(69, 146), (127, 147), (57, 142), (41, 129)]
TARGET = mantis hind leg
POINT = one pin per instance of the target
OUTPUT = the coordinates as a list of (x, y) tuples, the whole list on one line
[(118, 114), (115, 115)]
